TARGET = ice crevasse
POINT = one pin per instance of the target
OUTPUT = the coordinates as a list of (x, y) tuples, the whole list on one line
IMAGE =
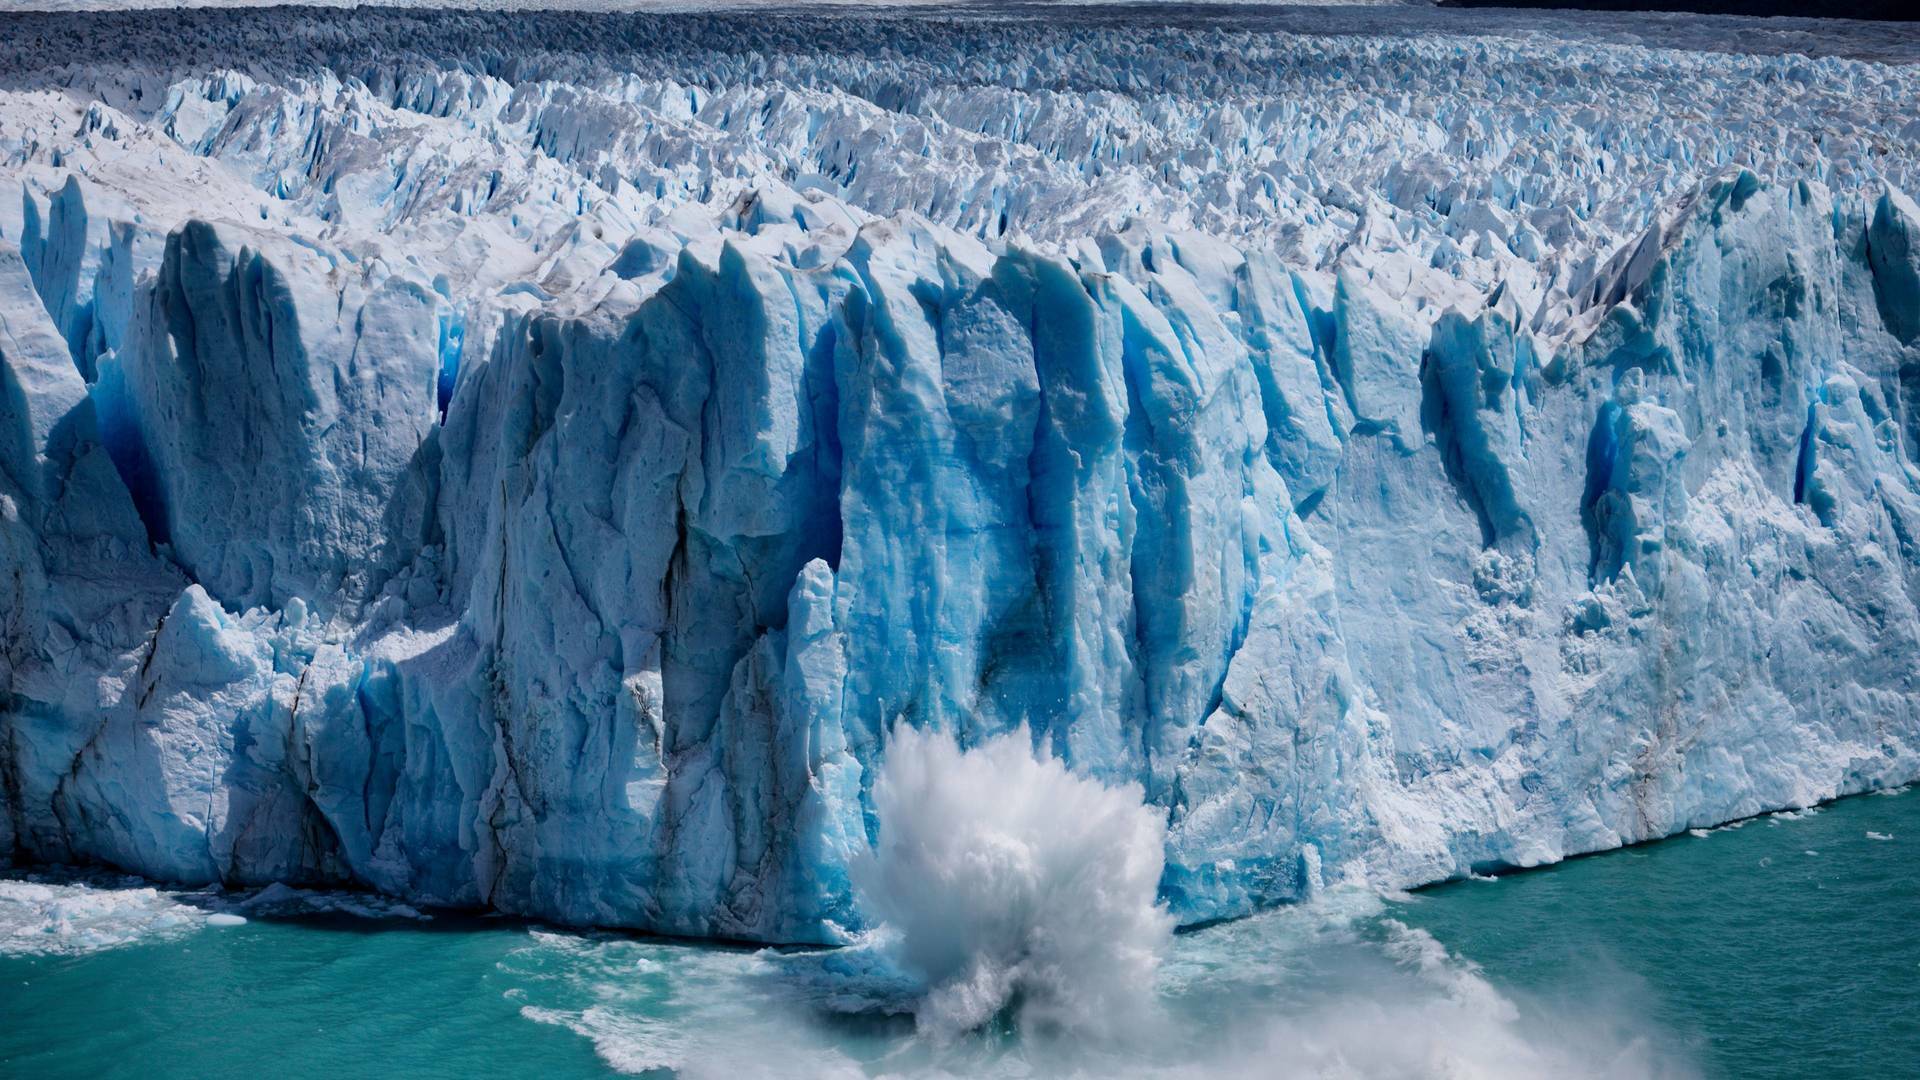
[(593, 592)]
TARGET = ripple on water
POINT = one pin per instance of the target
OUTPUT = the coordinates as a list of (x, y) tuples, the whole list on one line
[(1729, 955)]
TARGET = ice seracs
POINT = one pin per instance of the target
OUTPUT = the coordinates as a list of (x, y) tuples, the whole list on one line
[(553, 482)]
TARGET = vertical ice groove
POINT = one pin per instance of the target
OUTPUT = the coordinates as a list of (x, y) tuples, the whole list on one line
[(1893, 251)]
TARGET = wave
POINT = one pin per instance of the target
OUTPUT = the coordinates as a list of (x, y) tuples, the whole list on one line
[(1335, 988), (1021, 937)]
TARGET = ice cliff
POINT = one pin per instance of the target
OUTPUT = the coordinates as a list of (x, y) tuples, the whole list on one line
[(540, 461)]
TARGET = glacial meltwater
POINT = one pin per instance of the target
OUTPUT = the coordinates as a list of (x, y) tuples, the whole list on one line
[(1783, 946)]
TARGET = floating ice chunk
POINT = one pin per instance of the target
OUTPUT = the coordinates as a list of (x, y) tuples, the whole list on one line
[(64, 917)]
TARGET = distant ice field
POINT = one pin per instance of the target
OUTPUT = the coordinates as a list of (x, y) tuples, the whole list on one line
[(1812, 36)]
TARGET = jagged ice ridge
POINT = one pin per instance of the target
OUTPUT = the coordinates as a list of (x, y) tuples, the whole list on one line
[(535, 461)]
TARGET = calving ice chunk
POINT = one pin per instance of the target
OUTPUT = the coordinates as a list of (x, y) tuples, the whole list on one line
[(564, 485)]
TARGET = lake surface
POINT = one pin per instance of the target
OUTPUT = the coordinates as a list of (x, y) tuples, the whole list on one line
[(1786, 946)]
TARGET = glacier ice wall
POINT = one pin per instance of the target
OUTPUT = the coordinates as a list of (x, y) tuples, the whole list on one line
[(546, 482)]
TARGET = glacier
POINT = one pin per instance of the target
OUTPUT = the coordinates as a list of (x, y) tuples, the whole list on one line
[(542, 461)]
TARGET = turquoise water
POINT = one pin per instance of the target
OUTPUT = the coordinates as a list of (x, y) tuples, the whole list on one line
[(1785, 947), (1773, 948)]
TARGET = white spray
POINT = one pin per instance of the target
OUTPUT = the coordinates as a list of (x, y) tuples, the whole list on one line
[(1001, 876)]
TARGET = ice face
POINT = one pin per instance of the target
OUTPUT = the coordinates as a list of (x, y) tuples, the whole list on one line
[(554, 484)]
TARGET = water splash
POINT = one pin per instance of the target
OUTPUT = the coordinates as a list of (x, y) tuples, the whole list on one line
[(1021, 936), (1002, 877)]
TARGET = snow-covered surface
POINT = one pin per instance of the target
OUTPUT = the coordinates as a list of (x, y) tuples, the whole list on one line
[(535, 460)]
